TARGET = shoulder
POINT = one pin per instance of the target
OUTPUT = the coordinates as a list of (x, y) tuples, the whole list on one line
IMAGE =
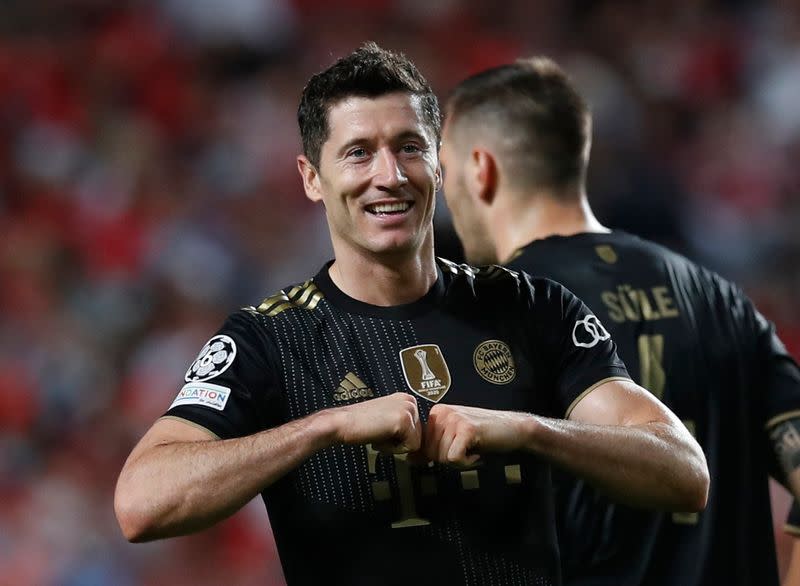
[(500, 286), (305, 296), (714, 301), (693, 278), (477, 275), (703, 285), (489, 281), (652, 253)]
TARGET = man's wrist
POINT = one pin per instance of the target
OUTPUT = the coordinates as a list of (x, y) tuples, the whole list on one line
[(328, 426), (332, 425), (529, 430)]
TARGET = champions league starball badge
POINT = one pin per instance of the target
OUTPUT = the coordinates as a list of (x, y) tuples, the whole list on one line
[(214, 359)]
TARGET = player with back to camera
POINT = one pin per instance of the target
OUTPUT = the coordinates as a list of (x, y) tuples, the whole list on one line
[(515, 152), (319, 397)]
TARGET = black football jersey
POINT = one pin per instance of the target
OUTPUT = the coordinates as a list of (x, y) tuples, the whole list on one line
[(490, 338), (696, 342)]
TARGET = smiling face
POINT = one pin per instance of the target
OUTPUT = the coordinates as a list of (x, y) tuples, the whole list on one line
[(377, 177)]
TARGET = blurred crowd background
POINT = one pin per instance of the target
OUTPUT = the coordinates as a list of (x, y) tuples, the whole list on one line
[(148, 187)]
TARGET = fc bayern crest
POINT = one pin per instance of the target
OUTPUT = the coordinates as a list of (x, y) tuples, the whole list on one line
[(214, 359), (494, 362)]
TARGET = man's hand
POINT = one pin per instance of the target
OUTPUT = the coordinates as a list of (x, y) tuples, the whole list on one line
[(458, 435), (391, 424)]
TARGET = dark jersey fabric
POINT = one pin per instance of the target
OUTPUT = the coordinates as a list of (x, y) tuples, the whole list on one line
[(697, 342), (792, 526), (491, 338)]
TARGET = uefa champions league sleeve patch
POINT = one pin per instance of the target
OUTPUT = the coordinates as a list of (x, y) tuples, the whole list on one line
[(214, 359)]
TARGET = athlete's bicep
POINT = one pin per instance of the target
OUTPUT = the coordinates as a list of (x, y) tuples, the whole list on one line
[(620, 402)]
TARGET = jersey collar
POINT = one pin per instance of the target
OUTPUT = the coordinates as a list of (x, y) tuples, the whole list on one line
[(405, 311)]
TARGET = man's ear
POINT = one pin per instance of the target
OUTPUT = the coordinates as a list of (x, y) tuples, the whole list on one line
[(310, 177), (484, 172)]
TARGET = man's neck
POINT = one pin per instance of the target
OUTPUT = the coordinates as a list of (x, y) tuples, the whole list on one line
[(384, 281), (537, 216)]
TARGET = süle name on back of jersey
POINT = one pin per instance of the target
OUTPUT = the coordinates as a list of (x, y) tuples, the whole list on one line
[(628, 304)]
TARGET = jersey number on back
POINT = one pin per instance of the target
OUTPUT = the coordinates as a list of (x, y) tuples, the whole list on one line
[(651, 364), (654, 379)]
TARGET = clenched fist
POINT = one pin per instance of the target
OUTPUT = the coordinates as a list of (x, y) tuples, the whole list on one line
[(391, 423), (458, 435)]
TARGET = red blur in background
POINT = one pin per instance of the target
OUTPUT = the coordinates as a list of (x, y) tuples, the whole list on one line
[(148, 188)]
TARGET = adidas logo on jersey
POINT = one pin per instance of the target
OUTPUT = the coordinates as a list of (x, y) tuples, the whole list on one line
[(352, 387)]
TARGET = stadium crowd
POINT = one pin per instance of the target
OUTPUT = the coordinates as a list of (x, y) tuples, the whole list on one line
[(148, 187)]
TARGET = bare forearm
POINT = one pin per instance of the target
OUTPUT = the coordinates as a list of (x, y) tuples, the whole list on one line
[(180, 487), (653, 465)]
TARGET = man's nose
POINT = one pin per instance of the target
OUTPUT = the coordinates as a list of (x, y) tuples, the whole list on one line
[(389, 172)]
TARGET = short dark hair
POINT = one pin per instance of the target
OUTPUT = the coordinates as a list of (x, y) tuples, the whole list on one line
[(369, 71), (533, 105)]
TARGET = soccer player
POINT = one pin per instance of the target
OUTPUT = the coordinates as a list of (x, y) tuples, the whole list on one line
[(323, 396), (515, 151)]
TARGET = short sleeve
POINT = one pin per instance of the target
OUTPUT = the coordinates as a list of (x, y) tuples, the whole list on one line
[(230, 387), (780, 373), (575, 343)]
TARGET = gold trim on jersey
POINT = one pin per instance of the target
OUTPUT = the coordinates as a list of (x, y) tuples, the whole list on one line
[(488, 272), (305, 296), (781, 418), (193, 424), (514, 255), (495, 272), (589, 390), (791, 529)]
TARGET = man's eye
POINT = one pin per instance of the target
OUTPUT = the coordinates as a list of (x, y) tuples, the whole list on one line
[(411, 148), (358, 153)]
